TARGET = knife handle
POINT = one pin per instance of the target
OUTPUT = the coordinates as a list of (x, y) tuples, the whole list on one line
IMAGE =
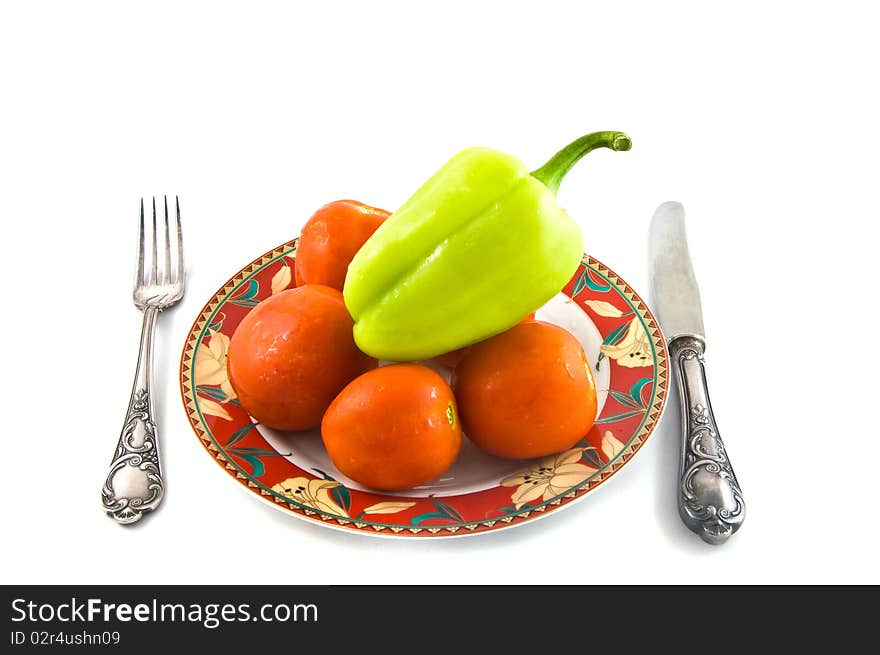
[(709, 498)]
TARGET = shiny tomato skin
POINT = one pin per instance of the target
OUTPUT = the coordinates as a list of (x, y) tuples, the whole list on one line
[(393, 428), (292, 354), (330, 239), (527, 392)]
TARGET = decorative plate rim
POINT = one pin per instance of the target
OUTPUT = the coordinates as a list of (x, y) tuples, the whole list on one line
[(653, 413)]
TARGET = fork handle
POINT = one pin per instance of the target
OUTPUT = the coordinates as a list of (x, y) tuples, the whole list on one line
[(134, 482)]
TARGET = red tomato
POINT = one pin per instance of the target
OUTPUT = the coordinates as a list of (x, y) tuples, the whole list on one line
[(527, 392), (330, 240), (393, 428), (292, 354)]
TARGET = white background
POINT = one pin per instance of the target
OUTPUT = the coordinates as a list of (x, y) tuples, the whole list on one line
[(761, 117)]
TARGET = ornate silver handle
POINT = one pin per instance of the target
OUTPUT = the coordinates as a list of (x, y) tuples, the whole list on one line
[(710, 501), (134, 482)]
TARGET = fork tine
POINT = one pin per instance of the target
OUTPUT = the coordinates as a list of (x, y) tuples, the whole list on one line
[(181, 270), (139, 274), (166, 274), (153, 278)]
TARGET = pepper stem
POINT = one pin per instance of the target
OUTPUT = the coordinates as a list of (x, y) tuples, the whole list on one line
[(553, 171)]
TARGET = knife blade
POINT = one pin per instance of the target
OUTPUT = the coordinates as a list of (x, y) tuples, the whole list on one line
[(710, 500), (673, 285)]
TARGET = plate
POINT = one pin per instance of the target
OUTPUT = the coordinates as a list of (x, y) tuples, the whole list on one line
[(480, 493)]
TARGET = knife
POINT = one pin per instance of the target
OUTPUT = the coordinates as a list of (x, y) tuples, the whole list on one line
[(709, 497)]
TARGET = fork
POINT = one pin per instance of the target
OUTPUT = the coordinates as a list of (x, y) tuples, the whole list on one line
[(134, 482)]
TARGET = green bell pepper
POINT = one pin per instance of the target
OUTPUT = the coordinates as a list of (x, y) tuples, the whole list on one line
[(481, 244)]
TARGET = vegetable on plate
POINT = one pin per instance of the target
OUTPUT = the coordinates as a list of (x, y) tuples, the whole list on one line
[(330, 239), (481, 244), (393, 428), (292, 354), (528, 392)]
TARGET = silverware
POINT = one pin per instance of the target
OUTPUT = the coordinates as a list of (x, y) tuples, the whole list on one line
[(134, 482), (709, 497)]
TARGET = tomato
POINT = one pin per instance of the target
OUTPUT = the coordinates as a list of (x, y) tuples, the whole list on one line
[(330, 239), (292, 354), (393, 428), (528, 392)]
